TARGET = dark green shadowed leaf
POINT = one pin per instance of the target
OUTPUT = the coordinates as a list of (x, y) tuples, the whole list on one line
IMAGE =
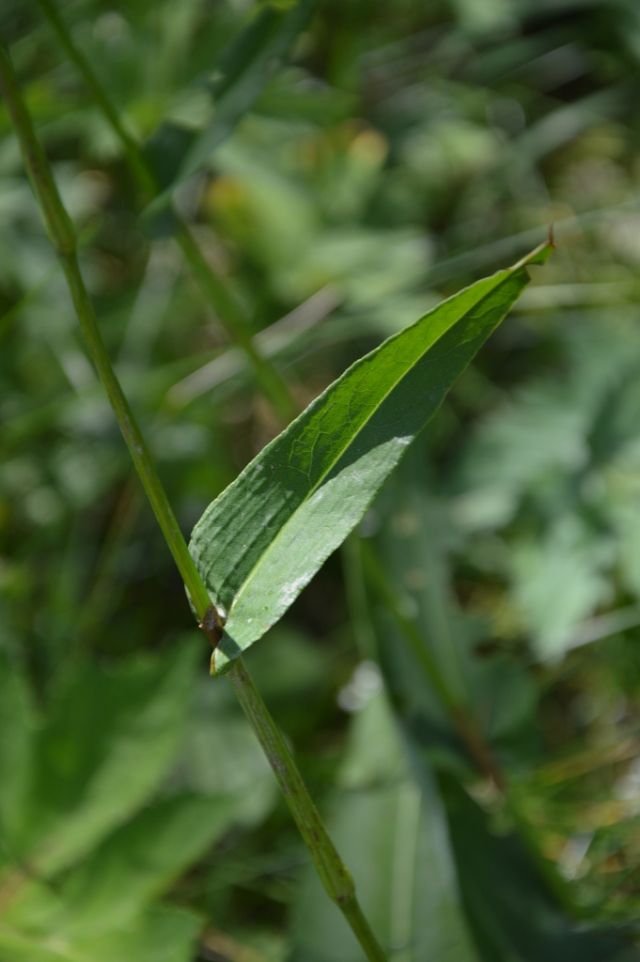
[(114, 887), (262, 540), (245, 69), (511, 909), (432, 659), (447, 886), (18, 727), (176, 152)]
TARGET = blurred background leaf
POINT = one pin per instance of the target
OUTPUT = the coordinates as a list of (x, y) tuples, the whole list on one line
[(381, 817)]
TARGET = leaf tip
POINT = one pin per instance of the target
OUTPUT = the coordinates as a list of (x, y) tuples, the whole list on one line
[(539, 254)]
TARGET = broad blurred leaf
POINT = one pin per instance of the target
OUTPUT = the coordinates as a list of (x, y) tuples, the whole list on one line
[(220, 755), (162, 934), (81, 863), (393, 835), (559, 462), (111, 734), (540, 431), (558, 581), (511, 901), (438, 881), (262, 540), (132, 866)]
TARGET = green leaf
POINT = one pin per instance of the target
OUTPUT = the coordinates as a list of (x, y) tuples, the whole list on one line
[(163, 934), (513, 912), (110, 736), (132, 866), (262, 540), (560, 580), (432, 873), (539, 433), (415, 616), (220, 755), (393, 834), (175, 152)]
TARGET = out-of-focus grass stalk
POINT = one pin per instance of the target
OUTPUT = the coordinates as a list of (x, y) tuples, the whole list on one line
[(215, 289), (330, 867), (461, 715)]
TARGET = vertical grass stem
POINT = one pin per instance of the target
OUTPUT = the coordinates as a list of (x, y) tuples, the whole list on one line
[(213, 287), (331, 869)]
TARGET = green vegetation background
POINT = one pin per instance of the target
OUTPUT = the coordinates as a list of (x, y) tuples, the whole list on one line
[(400, 152)]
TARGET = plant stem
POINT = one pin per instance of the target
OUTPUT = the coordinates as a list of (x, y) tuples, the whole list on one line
[(329, 865), (215, 290), (138, 450), (273, 386), (333, 874)]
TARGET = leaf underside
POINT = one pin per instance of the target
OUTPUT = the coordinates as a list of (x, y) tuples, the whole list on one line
[(262, 540)]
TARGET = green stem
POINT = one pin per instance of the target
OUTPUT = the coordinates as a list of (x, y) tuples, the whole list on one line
[(136, 162), (138, 450), (329, 865), (226, 306), (63, 238), (333, 874), (228, 310)]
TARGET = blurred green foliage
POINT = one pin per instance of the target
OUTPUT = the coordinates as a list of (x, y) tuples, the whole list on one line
[(347, 166)]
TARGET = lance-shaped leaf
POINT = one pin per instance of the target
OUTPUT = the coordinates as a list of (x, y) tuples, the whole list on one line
[(262, 540)]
